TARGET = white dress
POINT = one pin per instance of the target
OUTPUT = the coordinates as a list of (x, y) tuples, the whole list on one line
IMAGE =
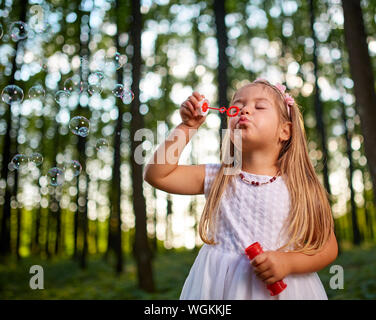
[(247, 214)]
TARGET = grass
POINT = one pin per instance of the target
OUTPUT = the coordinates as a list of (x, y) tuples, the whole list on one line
[(63, 279)]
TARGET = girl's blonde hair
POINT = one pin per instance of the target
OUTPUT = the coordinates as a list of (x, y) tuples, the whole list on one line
[(310, 220)]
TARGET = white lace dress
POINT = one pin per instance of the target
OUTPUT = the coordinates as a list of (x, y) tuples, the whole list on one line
[(247, 214)]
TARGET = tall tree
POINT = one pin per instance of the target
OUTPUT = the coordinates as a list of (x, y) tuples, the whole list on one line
[(115, 231), (5, 248), (318, 104), (141, 248), (84, 31), (222, 42), (362, 74)]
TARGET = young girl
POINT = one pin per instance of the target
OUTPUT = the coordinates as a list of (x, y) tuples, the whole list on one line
[(274, 198)]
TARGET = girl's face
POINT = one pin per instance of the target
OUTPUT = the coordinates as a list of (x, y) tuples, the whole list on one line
[(258, 117)]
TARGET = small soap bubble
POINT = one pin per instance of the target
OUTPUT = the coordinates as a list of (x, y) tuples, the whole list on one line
[(100, 74), (62, 97), (73, 84), (94, 88), (101, 144), (128, 96), (1, 31), (118, 90), (37, 92), (80, 126), (36, 158), (118, 60), (94, 78), (56, 176), (19, 160), (75, 166), (18, 31), (12, 94)]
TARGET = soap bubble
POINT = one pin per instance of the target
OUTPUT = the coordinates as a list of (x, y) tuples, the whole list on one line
[(75, 166), (94, 78), (101, 144), (118, 61), (73, 84), (118, 90), (94, 88), (36, 92), (80, 126), (62, 97), (100, 74), (12, 94), (56, 176), (36, 158), (1, 31), (19, 160), (128, 96), (18, 31)]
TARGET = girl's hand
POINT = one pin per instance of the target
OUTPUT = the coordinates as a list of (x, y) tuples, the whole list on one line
[(188, 111), (271, 266)]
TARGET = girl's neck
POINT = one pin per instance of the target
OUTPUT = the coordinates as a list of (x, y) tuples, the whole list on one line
[(260, 169)]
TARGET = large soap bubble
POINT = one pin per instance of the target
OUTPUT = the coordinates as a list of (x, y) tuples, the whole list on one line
[(101, 144), (36, 158), (18, 31), (74, 84), (37, 92), (12, 94), (128, 96), (56, 176), (62, 97), (19, 160), (80, 126)]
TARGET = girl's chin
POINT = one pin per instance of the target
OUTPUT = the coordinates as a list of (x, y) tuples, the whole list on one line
[(243, 125)]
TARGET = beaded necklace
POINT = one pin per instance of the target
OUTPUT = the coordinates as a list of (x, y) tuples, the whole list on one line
[(256, 183)]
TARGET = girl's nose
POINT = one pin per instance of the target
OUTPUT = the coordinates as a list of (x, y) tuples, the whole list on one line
[(244, 110)]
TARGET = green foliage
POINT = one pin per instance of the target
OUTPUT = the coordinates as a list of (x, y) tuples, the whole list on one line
[(65, 280), (359, 267)]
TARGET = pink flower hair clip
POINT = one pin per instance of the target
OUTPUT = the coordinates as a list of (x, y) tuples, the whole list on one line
[(289, 101)]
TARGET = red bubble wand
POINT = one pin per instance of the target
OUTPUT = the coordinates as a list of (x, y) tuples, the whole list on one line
[(204, 109), (254, 250)]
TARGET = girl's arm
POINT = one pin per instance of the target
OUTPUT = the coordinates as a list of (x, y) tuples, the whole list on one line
[(303, 263), (163, 171)]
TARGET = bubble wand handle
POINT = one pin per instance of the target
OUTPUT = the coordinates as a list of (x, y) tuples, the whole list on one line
[(254, 250), (204, 107)]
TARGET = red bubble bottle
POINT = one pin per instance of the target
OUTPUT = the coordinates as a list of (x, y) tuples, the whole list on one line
[(275, 288)]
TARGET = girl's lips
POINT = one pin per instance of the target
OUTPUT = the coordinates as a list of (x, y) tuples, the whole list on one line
[(243, 119)]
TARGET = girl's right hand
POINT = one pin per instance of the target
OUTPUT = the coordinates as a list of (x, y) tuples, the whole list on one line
[(188, 111)]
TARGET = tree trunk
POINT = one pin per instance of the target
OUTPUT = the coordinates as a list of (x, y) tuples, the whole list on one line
[(5, 221), (141, 247), (362, 75), (318, 105), (115, 233), (222, 41)]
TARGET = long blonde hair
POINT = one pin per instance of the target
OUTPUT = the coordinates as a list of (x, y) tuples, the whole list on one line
[(310, 219)]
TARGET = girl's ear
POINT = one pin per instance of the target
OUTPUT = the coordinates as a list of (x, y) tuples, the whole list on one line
[(285, 132)]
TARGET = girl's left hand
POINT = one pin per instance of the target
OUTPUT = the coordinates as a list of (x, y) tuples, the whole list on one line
[(271, 266)]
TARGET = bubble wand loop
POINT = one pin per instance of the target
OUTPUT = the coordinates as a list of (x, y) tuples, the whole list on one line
[(204, 109)]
